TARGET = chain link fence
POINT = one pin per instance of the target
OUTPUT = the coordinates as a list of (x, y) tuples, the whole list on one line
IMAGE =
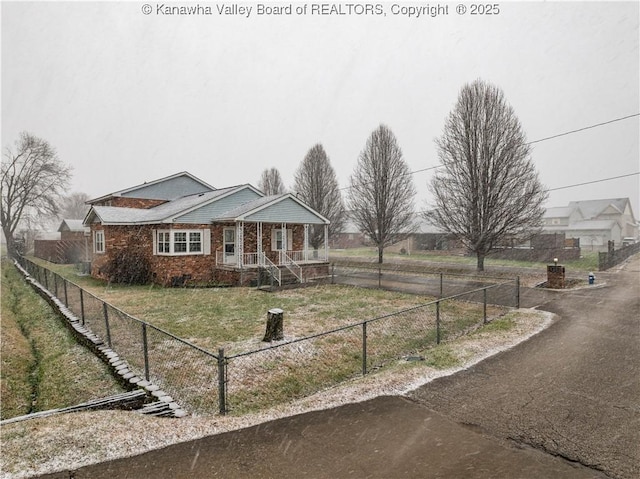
[(203, 382), (184, 371)]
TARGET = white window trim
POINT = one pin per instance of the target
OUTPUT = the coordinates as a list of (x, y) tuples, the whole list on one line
[(205, 242), (98, 239)]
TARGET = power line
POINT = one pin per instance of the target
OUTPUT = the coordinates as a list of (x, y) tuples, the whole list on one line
[(550, 138), (592, 182), (584, 128)]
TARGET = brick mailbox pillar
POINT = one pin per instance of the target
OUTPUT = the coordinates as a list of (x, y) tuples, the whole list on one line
[(555, 276), (275, 328)]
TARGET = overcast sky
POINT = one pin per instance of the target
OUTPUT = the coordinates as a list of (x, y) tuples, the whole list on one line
[(127, 97)]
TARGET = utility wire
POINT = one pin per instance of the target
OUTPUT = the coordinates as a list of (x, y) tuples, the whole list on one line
[(592, 182), (550, 138), (584, 128)]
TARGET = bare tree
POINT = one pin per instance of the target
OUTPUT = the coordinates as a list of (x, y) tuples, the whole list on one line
[(271, 182), (33, 179), (382, 192), (74, 206), (316, 185), (489, 189)]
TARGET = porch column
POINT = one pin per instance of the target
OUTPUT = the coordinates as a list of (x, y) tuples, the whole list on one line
[(284, 243), (240, 244), (259, 243), (326, 242), (306, 242)]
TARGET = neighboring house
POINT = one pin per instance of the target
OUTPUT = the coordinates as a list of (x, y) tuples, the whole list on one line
[(594, 222), (68, 245), (191, 231), (425, 236), (349, 237)]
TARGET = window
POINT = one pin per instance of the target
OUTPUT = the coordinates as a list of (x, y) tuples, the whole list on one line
[(180, 242), (163, 242), (195, 243), (98, 241), (277, 239)]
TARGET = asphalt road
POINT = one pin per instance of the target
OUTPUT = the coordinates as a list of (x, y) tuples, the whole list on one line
[(565, 404)]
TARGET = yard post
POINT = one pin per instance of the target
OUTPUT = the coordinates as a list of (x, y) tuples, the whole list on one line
[(484, 306), (517, 292), (46, 280), (379, 277), (105, 313), (222, 382), (145, 351), (364, 348), (55, 285), (82, 306), (441, 284), (66, 298), (438, 322), (333, 273)]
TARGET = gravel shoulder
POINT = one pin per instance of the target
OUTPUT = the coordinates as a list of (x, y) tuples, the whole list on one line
[(71, 441)]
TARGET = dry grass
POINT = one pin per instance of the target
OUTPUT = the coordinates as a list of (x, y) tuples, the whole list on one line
[(73, 440)]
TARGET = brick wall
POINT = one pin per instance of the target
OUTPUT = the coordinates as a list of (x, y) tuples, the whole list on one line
[(195, 268)]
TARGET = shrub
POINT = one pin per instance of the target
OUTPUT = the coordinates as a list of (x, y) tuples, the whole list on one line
[(129, 266)]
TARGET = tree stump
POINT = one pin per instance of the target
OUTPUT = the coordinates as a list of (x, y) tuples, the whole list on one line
[(275, 329)]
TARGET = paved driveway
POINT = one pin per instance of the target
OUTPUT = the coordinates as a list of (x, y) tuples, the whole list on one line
[(565, 404)]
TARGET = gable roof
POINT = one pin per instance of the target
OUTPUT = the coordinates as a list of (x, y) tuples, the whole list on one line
[(279, 208), (164, 213), (593, 208), (558, 212), (236, 203), (72, 225), (168, 188)]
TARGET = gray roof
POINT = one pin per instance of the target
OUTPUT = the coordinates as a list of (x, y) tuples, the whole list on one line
[(72, 225), (240, 205), (158, 214), (592, 208), (558, 212)]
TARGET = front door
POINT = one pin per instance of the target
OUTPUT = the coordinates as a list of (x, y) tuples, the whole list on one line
[(229, 245)]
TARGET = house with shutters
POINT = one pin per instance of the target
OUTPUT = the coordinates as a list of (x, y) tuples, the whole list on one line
[(191, 232)]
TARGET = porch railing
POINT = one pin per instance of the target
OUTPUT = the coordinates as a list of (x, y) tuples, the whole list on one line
[(291, 265), (273, 270), (256, 259)]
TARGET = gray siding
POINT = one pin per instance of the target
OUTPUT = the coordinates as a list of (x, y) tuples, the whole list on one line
[(169, 190), (286, 211), (209, 212)]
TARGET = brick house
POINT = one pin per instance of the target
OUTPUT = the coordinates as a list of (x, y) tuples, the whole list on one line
[(192, 232)]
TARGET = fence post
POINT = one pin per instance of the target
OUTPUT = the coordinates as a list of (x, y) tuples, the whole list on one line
[(441, 285), (379, 277), (105, 313), (82, 306), (333, 273), (46, 280), (484, 306), (66, 298), (55, 285), (437, 322), (517, 292), (364, 348), (222, 382), (145, 350)]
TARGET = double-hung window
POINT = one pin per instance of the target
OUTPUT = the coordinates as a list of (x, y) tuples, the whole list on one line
[(278, 239), (180, 242), (98, 241)]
